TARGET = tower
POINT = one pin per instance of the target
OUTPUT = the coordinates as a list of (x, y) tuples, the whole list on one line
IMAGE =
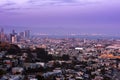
[(27, 34), (13, 38), (2, 35)]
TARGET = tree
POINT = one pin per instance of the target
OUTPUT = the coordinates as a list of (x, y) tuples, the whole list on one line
[(65, 57), (2, 72), (13, 49), (39, 77), (42, 54)]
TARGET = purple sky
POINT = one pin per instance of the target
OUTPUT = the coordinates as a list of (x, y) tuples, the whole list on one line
[(62, 16)]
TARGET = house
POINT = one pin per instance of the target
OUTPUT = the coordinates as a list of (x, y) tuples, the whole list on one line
[(16, 70)]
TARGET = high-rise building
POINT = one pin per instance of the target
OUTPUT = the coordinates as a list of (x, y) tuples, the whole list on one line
[(2, 35), (13, 38), (22, 35), (27, 34), (13, 32), (2, 30)]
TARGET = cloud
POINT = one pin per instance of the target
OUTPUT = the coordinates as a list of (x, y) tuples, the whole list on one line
[(43, 2), (57, 2), (12, 5)]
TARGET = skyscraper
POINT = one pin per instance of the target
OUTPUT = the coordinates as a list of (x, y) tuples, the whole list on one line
[(27, 34), (13, 32), (22, 35), (2, 35), (13, 38)]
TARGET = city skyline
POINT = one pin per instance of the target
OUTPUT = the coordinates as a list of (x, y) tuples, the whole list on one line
[(61, 16)]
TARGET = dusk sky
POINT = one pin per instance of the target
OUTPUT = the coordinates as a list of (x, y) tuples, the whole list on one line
[(61, 16)]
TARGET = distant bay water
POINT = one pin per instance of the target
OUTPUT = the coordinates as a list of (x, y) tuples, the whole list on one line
[(78, 36)]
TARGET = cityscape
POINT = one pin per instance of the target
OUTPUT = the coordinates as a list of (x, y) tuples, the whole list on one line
[(14, 37), (28, 57), (59, 39)]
